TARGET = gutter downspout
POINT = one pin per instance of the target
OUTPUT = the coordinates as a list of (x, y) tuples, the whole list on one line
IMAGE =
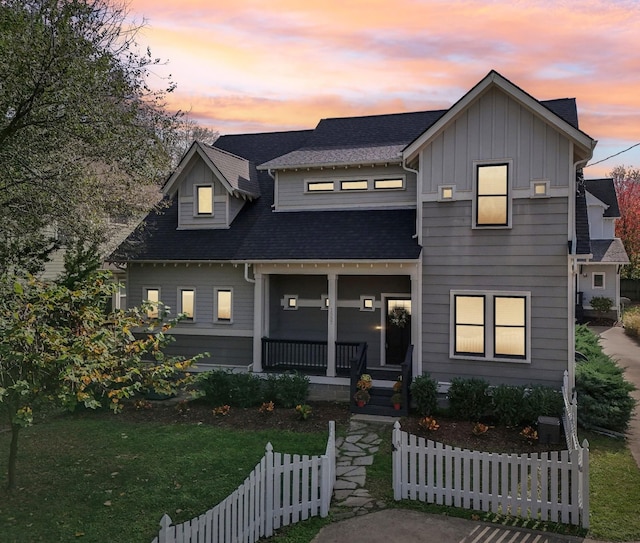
[(246, 273), (418, 215)]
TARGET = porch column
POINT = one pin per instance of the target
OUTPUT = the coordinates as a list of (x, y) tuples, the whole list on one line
[(258, 321), (416, 322), (332, 324)]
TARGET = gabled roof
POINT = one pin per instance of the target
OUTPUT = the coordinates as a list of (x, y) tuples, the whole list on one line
[(238, 175), (605, 191), (553, 112), (260, 234), (608, 251)]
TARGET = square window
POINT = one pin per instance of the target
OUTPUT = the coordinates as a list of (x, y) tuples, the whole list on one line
[(152, 295), (367, 303), (187, 300), (490, 325), (290, 302), (223, 310), (492, 195), (204, 196), (446, 192), (539, 189), (598, 280)]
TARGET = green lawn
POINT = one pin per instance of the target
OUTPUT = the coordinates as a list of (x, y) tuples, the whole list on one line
[(97, 480), (102, 479)]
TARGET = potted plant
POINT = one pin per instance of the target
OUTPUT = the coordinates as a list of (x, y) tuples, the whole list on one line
[(362, 397), (396, 400)]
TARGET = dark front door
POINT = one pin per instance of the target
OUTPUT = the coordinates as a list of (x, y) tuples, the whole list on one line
[(397, 329)]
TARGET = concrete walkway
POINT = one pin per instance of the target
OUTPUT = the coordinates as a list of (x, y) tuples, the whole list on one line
[(352, 501)]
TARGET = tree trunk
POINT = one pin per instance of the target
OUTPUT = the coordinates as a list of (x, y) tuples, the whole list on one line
[(13, 457)]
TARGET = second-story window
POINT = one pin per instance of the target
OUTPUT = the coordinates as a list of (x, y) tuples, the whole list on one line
[(204, 200), (492, 195), (187, 299)]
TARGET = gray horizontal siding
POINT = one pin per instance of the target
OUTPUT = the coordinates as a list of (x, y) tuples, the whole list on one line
[(496, 127), (530, 257), (204, 278), (224, 351), (292, 185)]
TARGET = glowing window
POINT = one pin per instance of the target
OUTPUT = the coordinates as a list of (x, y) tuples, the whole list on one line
[(223, 309), (320, 186), (204, 195), (152, 295), (187, 302), (492, 202), (469, 325), (354, 185), (388, 184), (367, 303), (510, 326), (290, 302)]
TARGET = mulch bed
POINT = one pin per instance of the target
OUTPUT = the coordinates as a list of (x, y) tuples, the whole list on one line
[(452, 432)]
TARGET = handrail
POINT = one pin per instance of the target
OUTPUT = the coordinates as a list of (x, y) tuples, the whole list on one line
[(358, 367), (407, 377)]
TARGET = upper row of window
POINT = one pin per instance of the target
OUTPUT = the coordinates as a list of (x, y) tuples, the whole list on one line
[(355, 185)]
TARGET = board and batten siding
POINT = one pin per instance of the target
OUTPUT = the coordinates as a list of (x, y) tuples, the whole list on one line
[(227, 343), (496, 127), (531, 257), (200, 174), (292, 194)]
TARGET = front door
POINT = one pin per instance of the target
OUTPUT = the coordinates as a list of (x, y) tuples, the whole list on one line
[(397, 329)]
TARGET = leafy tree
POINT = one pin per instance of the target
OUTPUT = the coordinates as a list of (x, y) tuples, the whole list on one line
[(82, 135), (627, 183), (59, 346)]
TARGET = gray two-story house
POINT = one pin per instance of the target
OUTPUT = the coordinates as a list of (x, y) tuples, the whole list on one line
[(453, 231)]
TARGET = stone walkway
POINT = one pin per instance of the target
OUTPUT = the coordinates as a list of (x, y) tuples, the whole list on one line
[(354, 453)]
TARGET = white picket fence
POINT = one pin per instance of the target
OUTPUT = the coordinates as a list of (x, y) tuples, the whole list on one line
[(550, 486), (282, 489)]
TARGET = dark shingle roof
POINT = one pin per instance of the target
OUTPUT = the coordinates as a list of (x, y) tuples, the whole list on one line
[(605, 191), (240, 173), (565, 108), (609, 251), (258, 233)]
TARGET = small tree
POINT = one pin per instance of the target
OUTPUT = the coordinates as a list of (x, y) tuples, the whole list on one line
[(60, 346), (627, 183)]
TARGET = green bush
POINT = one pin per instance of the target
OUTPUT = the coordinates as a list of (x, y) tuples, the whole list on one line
[(542, 401), (604, 397), (286, 390), (587, 341), (424, 391), (601, 304), (222, 387), (469, 399), (631, 322), (509, 404)]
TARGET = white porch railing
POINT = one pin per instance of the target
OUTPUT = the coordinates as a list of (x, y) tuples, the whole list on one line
[(282, 489)]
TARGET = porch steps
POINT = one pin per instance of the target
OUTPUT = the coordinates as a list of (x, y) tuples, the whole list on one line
[(381, 392)]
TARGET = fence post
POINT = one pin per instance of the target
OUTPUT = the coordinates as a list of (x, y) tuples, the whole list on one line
[(397, 462), (585, 484), (165, 524), (268, 506)]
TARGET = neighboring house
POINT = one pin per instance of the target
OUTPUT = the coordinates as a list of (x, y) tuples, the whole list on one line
[(453, 231), (599, 276)]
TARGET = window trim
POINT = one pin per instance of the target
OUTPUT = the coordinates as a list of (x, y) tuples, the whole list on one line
[(180, 303), (441, 193), (363, 302), (540, 183), (216, 316), (196, 193), (319, 183), (145, 298), (402, 179), (344, 182), (593, 281), (288, 298), (490, 326), (477, 164)]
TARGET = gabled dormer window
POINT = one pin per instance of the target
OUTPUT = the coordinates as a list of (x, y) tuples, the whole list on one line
[(204, 200), (492, 196)]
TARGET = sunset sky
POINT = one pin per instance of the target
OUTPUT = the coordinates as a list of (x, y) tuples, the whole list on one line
[(254, 66)]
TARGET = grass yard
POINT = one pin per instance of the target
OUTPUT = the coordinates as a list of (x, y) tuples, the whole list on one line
[(102, 479)]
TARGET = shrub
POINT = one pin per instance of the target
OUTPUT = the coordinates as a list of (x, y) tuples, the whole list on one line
[(222, 387), (286, 390), (587, 341), (604, 397), (601, 304), (469, 399), (508, 403), (424, 391), (542, 401), (631, 322)]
